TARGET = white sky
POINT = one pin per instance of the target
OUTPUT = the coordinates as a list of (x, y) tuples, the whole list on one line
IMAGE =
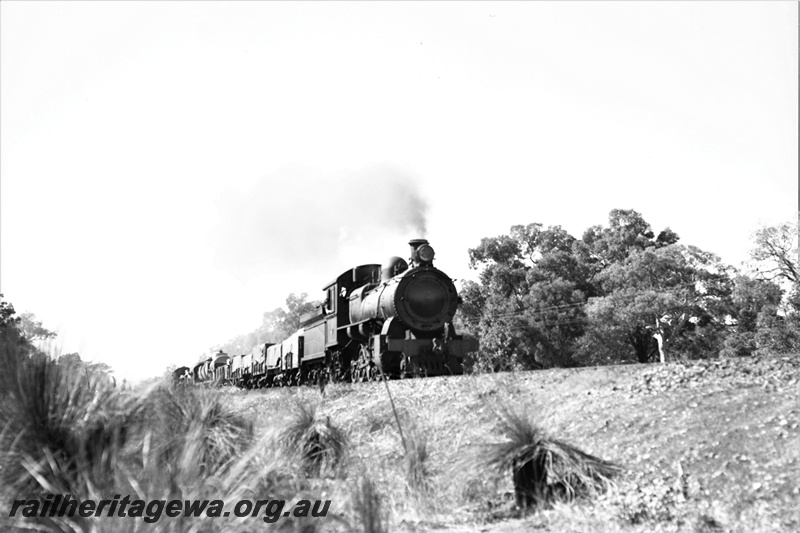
[(172, 170)]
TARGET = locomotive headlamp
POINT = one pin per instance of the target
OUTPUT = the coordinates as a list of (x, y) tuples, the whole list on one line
[(425, 253)]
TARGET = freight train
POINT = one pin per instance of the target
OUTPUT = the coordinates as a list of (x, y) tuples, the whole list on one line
[(394, 320)]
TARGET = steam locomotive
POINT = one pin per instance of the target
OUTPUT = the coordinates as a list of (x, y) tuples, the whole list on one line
[(394, 319)]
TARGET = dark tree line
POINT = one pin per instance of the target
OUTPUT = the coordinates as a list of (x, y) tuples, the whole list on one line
[(18, 337), (622, 293), (18, 333)]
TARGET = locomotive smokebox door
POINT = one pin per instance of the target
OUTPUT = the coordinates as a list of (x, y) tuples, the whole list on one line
[(425, 300)]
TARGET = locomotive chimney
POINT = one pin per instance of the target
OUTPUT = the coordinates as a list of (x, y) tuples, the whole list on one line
[(421, 252), (416, 243)]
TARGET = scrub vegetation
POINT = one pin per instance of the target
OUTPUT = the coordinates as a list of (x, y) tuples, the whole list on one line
[(706, 446)]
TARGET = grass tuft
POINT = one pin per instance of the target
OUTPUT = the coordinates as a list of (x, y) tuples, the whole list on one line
[(546, 470), (191, 429), (316, 443), (64, 428)]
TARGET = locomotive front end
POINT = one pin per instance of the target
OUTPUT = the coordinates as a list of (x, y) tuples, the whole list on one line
[(405, 321), (423, 297)]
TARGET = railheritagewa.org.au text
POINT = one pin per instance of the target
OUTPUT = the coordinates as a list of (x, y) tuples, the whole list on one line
[(64, 505)]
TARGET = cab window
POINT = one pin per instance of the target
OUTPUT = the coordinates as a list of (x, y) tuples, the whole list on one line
[(331, 297)]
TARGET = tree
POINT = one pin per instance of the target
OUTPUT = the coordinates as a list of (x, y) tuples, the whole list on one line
[(13, 346), (776, 334), (276, 326), (73, 360), (626, 233), (539, 285), (32, 329), (280, 324), (616, 332), (659, 293), (7, 312), (530, 291), (775, 253), (554, 319), (750, 297), (21, 329), (766, 322)]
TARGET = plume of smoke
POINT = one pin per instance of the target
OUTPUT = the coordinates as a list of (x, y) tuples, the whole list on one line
[(301, 217)]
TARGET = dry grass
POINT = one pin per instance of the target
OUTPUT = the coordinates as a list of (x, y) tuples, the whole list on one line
[(317, 445), (223, 444), (68, 431)]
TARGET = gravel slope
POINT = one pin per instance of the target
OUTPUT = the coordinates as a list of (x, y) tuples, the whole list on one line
[(706, 446)]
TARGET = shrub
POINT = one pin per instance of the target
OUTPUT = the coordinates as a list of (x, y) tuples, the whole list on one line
[(69, 430), (739, 344), (545, 470), (776, 334), (64, 427), (189, 429), (317, 444)]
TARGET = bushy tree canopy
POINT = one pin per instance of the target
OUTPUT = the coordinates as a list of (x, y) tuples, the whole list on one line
[(620, 293), (660, 293), (32, 328), (25, 327), (527, 307)]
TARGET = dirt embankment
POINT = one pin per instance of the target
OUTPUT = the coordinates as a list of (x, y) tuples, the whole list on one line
[(706, 446)]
